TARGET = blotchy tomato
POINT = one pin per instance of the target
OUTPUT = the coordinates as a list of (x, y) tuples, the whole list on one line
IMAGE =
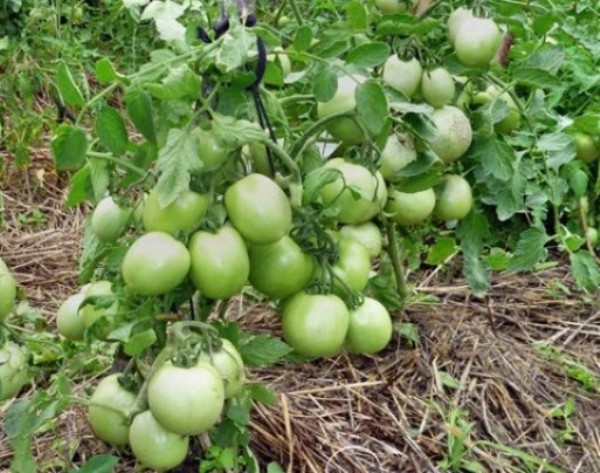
[(403, 76), (14, 372), (259, 209), (182, 215), (220, 263), (154, 446), (315, 325), (228, 363), (69, 320), (410, 208), (280, 269), (453, 133), (370, 328), (111, 407), (344, 129), (455, 200), (8, 291), (186, 401), (109, 221), (367, 234), (438, 87), (155, 264), (477, 41), (399, 152)]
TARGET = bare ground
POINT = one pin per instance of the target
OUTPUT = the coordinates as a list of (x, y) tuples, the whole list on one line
[(514, 377)]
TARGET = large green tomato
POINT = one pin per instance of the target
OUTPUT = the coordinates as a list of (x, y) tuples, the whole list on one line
[(90, 313), (353, 265), (403, 76), (14, 371), (367, 234), (69, 320), (344, 129), (183, 214), (211, 152), (109, 221), (455, 19), (315, 325), (509, 123), (280, 269), (410, 209), (155, 264), (398, 152), (453, 133), (186, 401), (110, 410), (228, 363), (154, 446), (455, 200), (586, 147), (438, 87), (370, 328), (353, 209), (477, 41), (220, 263), (8, 291), (259, 209)]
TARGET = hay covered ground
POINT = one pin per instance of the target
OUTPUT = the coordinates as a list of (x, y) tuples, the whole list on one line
[(506, 384)]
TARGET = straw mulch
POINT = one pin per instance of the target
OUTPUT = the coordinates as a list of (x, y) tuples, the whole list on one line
[(491, 374)]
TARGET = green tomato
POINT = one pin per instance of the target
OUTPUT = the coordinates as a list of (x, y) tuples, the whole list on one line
[(455, 19), (109, 221), (279, 269), (509, 123), (438, 87), (477, 41), (155, 264), (367, 234), (393, 6), (370, 329), (410, 208), (211, 152), (353, 210), (8, 291), (592, 235), (182, 215), (399, 152), (69, 320), (455, 200), (228, 363), (586, 147), (154, 446), (353, 264), (90, 313), (403, 76), (14, 370), (283, 59), (453, 133), (344, 129), (220, 263), (256, 152), (186, 401), (110, 410), (259, 209), (315, 325)]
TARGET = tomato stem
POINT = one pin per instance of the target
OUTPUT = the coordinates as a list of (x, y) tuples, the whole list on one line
[(296, 11), (395, 256), (124, 164)]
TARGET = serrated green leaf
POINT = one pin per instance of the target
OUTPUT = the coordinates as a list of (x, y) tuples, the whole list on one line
[(99, 176), (498, 259), (262, 394), (372, 106), (234, 50), (369, 55), (443, 248), (263, 350), (559, 148), (325, 84), (530, 250), (69, 147), (105, 71), (180, 82), (139, 109), (103, 463), (111, 131), (315, 181), (80, 187), (358, 19), (585, 270), (495, 156), (537, 78), (409, 331), (475, 271), (139, 343), (303, 38), (233, 133), (68, 89)]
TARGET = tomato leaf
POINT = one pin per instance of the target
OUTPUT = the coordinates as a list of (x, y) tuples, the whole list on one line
[(559, 148), (443, 248), (180, 83), (139, 108), (262, 350), (69, 147), (81, 188), (303, 38), (369, 55), (405, 25), (103, 463), (530, 250), (105, 71), (139, 343), (325, 85), (358, 18), (495, 156), (99, 176), (111, 131), (315, 181), (537, 78), (68, 89), (262, 394), (585, 270), (372, 105), (476, 271)]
